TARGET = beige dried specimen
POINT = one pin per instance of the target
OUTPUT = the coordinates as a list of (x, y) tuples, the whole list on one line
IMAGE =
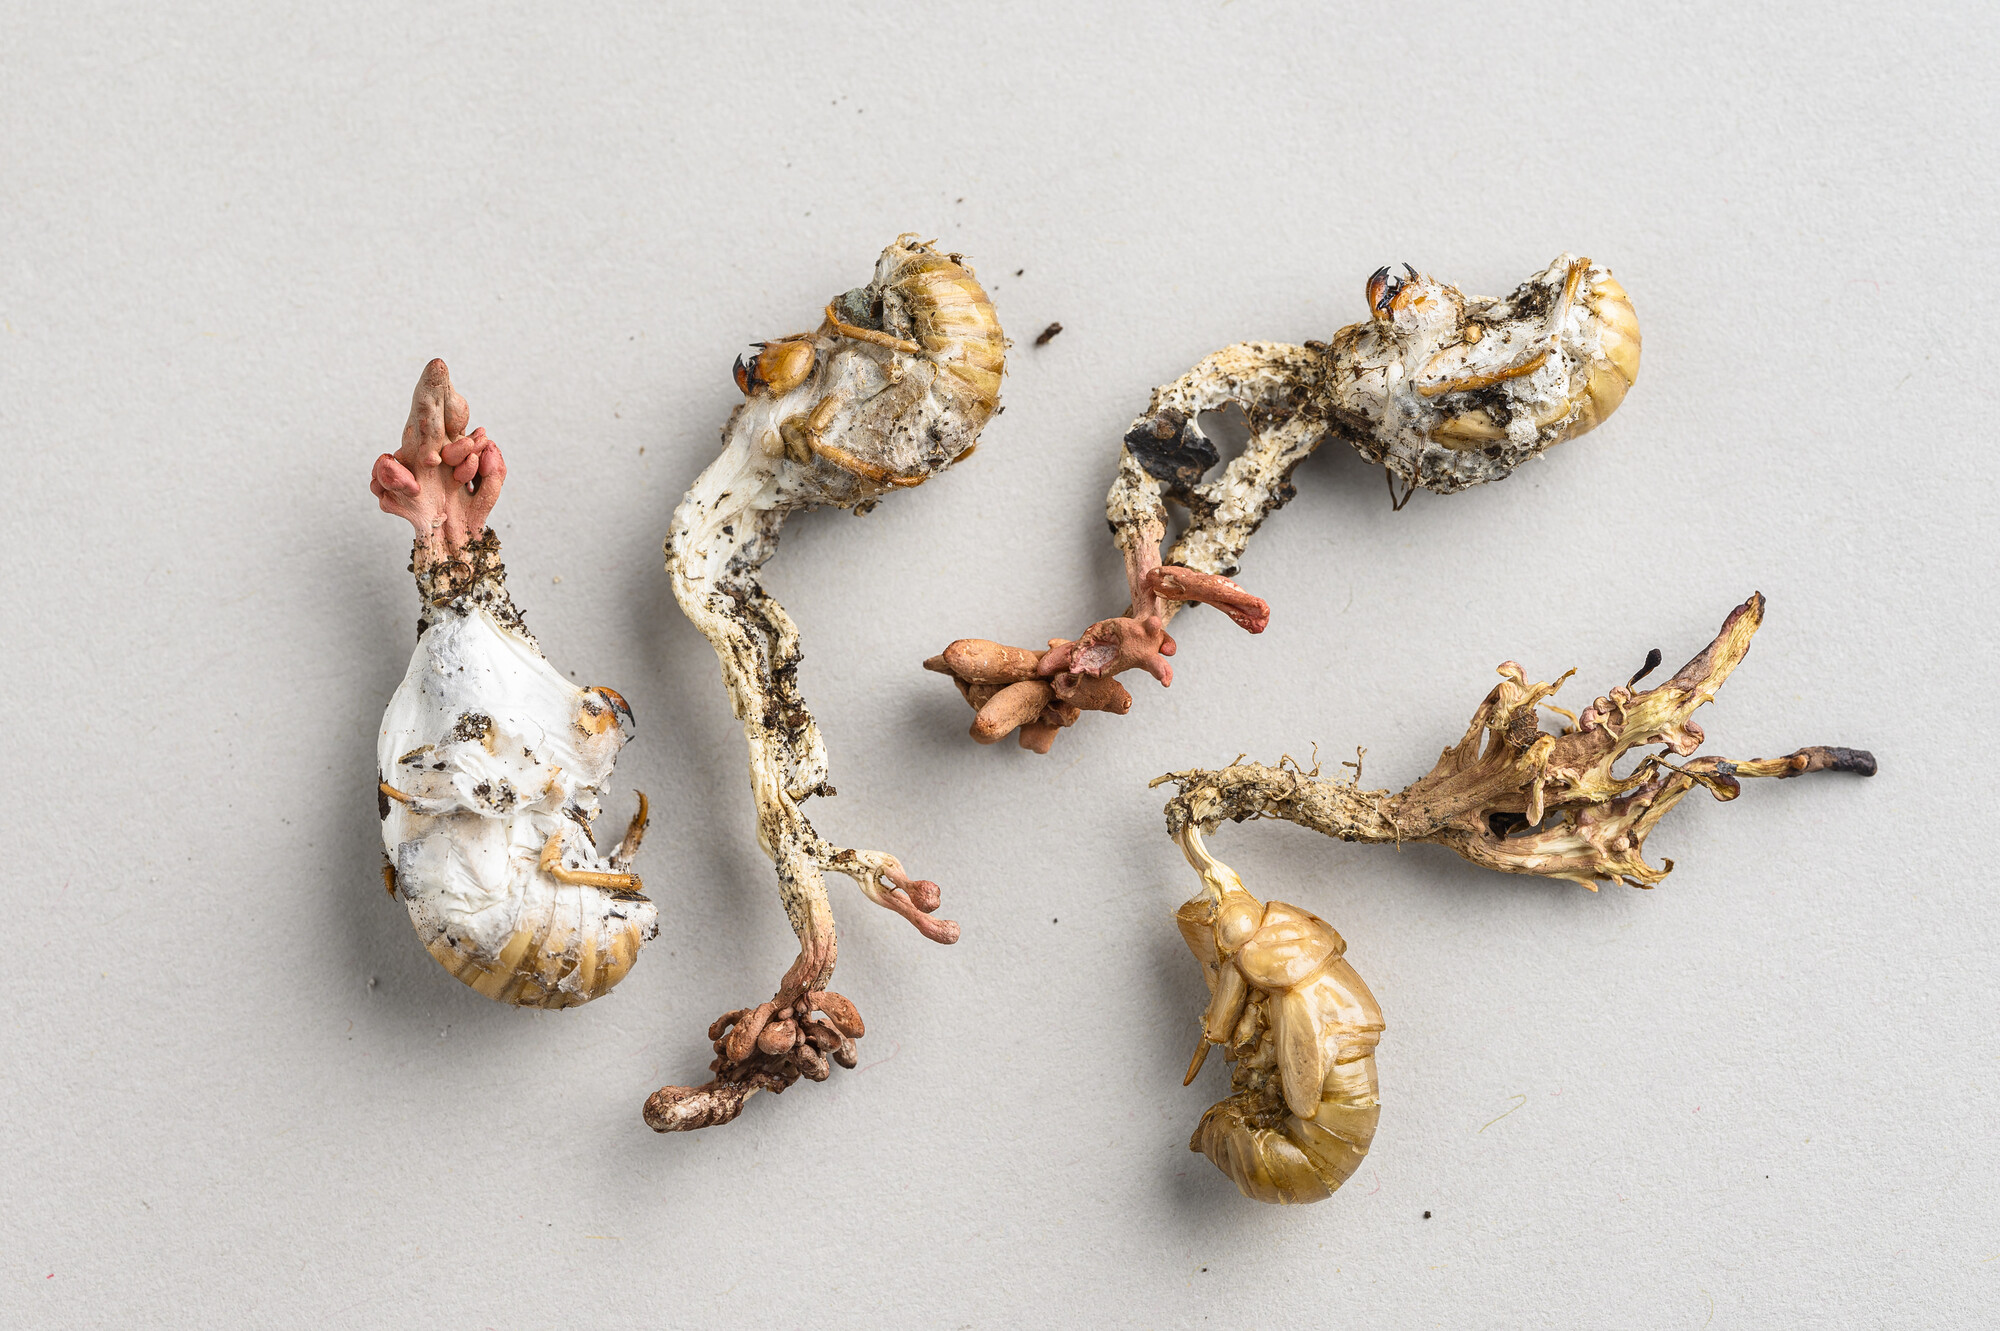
[(1513, 797), (890, 389), (1300, 1028), (1443, 389)]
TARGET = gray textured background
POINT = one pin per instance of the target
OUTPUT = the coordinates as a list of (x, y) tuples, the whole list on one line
[(236, 1090)]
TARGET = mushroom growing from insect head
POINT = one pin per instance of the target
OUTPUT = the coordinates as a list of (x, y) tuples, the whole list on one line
[(890, 389), (490, 762), (1443, 389)]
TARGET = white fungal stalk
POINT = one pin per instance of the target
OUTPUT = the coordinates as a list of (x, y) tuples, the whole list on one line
[(892, 388), (490, 762)]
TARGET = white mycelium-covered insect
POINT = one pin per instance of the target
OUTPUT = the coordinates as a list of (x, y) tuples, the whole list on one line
[(1443, 389), (491, 763), (891, 388)]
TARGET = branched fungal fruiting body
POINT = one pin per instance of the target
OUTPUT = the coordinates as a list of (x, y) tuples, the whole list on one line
[(1300, 1027), (490, 762), (1443, 389), (891, 388), (1512, 797)]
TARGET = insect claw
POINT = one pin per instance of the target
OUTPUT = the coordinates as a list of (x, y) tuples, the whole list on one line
[(1194, 1064), (1378, 289)]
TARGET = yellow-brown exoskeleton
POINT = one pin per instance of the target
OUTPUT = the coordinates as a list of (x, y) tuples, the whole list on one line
[(777, 368), (894, 384), (1299, 1025)]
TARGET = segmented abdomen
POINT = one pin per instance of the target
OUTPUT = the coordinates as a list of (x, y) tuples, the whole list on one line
[(1270, 1153), (950, 318), (567, 943), (1615, 366), (1300, 1027)]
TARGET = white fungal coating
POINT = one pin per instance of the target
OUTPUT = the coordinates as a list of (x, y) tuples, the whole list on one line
[(1449, 390), (1444, 390), (489, 762), (497, 754)]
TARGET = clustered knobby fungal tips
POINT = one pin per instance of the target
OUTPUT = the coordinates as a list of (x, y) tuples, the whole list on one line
[(490, 762), (1443, 389), (890, 389), (1509, 796)]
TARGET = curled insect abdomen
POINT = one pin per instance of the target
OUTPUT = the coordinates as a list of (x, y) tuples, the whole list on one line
[(892, 387), (951, 320), (568, 945), (1615, 366), (1300, 1026), (1273, 1155)]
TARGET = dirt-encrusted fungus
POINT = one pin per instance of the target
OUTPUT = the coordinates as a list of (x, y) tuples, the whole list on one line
[(891, 388), (1443, 389)]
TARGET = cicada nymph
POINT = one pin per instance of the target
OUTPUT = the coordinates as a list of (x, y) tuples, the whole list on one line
[(891, 388), (1300, 1028), (1447, 390), (491, 763), (1443, 389)]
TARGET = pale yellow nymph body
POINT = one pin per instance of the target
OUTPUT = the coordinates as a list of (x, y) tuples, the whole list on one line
[(1300, 1027)]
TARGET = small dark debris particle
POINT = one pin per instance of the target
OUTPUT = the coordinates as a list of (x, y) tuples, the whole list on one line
[(1204, 1268), (961, 199), (1427, 1215), (1054, 921), (1048, 333), (1017, 273)]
